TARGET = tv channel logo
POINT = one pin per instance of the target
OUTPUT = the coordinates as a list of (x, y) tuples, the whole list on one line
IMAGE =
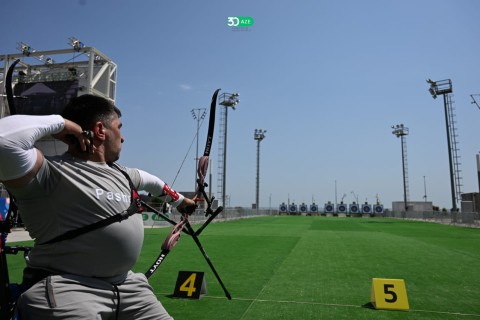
[(236, 22)]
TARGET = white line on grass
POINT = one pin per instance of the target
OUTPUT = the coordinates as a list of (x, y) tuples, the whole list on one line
[(343, 305)]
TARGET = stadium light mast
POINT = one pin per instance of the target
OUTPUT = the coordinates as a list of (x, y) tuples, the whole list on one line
[(259, 135), (444, 87), (425, 188), (199, 117), (226, 100), (401, 132)]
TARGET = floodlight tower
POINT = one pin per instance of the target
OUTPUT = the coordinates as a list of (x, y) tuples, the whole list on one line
[(425, 188), (401, 132), (198, 114), (226, 100), (259, 135), (444, 87)]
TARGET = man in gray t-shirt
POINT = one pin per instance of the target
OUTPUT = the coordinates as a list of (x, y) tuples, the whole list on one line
[(88, 276)]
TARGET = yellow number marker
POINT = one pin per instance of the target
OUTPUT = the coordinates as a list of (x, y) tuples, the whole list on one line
[(389, 294), (189, 285)]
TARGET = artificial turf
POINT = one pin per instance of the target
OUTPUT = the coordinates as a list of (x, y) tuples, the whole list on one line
[(285, 267)]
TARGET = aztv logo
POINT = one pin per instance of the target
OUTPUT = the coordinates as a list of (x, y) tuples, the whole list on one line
[(240, 21)]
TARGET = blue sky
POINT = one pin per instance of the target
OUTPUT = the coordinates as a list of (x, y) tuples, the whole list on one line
[(326, 79)]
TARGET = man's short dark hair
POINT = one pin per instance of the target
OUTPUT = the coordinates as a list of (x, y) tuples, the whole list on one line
[(87, 109)]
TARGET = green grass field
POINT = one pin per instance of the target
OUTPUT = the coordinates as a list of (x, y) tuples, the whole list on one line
[(320, 268)]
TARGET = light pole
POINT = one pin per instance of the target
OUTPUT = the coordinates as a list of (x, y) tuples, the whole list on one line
[(270, 205), (478, 170), (226, 100), (336, 203), (259, 135), (355, 196), (444, 87), (474, 101), (199, 117), (425, 188), (401, 131)]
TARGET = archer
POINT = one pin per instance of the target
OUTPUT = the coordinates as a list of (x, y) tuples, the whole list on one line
[(85, 245)]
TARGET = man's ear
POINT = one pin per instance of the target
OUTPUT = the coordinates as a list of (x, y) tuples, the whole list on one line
[(100, 131)]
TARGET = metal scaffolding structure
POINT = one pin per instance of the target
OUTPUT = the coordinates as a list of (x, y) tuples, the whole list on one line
[(94, 71), (44, 81)]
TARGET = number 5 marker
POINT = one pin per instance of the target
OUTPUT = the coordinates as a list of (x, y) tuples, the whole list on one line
[(389, 294)]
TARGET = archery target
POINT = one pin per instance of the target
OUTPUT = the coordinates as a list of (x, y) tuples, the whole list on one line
[(313, 208), (283, 207), (329, 208), (342, 208), (303, 207), (367, 208), (354, 208), (378, 209)]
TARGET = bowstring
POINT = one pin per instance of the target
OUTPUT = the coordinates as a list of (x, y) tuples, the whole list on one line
[(185, 158), (188, 151)]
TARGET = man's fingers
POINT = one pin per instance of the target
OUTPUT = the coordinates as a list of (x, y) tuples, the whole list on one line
[(87, 141), (188, 207)]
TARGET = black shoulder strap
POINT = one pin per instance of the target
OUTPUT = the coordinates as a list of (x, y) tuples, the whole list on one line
[(135, 207)]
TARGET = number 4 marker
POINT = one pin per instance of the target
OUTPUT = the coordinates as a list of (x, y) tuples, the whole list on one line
[(389, 294), (190, 285)]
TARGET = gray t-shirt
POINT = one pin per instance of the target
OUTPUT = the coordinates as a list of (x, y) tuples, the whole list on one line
[(69, 193)]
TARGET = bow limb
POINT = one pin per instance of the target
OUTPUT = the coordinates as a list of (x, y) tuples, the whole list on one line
[(9, 88), (211, 123)]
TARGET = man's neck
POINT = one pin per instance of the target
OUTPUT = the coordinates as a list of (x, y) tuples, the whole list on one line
[(97, 156)]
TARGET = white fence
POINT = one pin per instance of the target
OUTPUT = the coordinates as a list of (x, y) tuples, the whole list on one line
[(468, 219), (471, 219)]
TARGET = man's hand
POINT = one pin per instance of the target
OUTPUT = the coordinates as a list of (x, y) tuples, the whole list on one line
[(187, 206), (172, 238), (72, 133)]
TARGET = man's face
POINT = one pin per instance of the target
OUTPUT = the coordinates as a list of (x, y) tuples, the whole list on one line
[(114, 140)]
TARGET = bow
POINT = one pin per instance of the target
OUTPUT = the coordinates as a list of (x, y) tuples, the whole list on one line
[(200, 192), (200, 195)]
